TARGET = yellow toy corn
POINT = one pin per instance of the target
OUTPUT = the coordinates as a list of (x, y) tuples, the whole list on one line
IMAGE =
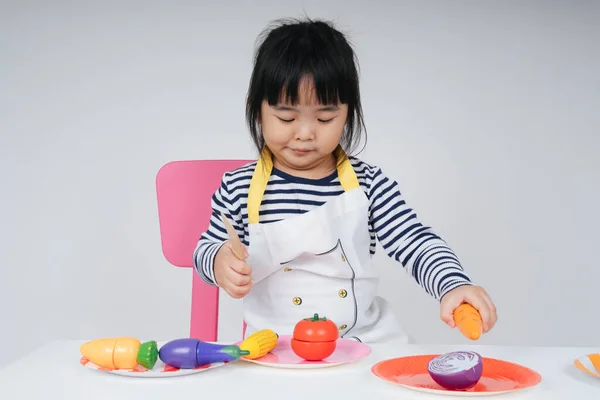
[(260, 343)]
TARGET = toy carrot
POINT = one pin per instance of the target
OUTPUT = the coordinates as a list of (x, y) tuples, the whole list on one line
[(468, 320), (120, 353)]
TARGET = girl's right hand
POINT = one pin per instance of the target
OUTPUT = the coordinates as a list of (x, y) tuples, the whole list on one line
[(231, 273)]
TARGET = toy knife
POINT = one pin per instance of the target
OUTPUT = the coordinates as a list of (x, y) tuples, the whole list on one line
[(236, 244)]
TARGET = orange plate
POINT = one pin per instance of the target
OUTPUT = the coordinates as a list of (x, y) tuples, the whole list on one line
[(497, 377)]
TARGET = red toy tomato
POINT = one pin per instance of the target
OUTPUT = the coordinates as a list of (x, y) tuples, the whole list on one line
[(314, 338)]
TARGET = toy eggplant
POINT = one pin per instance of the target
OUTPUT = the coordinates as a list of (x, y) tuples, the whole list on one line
[(189, 353), (120, 353)]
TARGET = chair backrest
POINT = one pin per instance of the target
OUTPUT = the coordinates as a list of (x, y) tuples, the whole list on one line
[(184, 190)]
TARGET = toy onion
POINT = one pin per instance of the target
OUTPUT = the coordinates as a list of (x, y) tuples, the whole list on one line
[(458, 370), (189, 353)]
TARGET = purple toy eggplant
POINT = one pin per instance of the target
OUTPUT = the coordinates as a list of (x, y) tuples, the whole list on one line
[(190, 353)]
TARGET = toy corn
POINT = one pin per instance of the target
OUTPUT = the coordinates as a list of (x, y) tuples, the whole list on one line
[(260, 343), (120, 353)]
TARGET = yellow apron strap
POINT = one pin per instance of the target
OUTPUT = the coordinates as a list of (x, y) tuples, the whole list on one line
[(258, 184), (264, 167), (346, 173)]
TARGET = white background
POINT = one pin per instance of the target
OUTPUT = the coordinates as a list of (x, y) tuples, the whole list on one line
[(485, 112)]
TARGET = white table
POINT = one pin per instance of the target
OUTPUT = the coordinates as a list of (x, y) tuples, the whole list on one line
[(54, 372)]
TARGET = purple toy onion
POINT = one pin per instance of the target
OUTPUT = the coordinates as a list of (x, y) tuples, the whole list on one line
[(459, 370)]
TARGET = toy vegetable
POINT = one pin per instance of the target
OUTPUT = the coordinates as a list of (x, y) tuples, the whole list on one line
[(189, 353), (468, 320), (259, 343), (314, 338), (120, 353), (457, 370)]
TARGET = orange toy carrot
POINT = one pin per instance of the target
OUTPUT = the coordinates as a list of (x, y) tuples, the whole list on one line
[(468, 320), (120, 353)]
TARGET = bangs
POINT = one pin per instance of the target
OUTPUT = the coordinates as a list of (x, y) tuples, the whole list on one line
[(306, 53), (300, 67)]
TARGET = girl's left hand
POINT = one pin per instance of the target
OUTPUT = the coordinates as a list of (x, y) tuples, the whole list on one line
[(475, 296)]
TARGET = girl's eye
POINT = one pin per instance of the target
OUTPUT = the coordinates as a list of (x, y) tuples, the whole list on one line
[(286, 120), (326, 120)]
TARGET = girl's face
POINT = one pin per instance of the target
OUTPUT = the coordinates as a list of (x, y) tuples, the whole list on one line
[(303, 137)]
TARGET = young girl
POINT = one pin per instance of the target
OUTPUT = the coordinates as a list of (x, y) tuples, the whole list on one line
[(308, 214)]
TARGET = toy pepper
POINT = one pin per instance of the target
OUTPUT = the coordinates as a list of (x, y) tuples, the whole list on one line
[(314, 338)]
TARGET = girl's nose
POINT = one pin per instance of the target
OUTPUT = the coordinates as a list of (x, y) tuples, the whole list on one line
[(305, 131)]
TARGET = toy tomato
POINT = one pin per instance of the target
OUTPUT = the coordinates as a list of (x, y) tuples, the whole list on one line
[(314, 338)]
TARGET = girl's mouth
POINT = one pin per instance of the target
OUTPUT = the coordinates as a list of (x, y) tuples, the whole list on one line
[(301, 151)]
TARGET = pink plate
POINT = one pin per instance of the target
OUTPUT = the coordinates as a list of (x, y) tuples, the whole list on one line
[(283, 356)]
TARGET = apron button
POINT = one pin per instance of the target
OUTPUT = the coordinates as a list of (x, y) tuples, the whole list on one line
[(288, 269), (342, 327), (343, 293), (297, 301)]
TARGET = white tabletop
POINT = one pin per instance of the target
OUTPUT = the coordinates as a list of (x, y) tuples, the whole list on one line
[(54, 372)]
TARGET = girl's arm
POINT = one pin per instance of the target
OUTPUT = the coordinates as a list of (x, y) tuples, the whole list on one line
[(429, 260), (215, 236)]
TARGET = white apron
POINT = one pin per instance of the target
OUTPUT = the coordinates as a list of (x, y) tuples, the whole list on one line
[(316, 263)]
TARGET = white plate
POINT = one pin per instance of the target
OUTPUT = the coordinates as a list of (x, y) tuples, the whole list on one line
[(160, 370)]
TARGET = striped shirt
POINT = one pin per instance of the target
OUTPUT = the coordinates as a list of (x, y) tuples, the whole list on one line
[(423, 254)]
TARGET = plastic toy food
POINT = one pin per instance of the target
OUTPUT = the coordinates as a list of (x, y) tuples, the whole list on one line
[(259, 343), (458, 370), (189, 353), (468, 320), (120, 353), (314, 338)]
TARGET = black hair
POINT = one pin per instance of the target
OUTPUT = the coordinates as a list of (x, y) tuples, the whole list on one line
[(290, 50)]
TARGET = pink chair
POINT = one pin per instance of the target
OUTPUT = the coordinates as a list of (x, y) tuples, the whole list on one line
[(184, 190)]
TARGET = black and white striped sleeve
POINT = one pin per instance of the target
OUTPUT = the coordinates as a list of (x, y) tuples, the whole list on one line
[(216, 235)]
